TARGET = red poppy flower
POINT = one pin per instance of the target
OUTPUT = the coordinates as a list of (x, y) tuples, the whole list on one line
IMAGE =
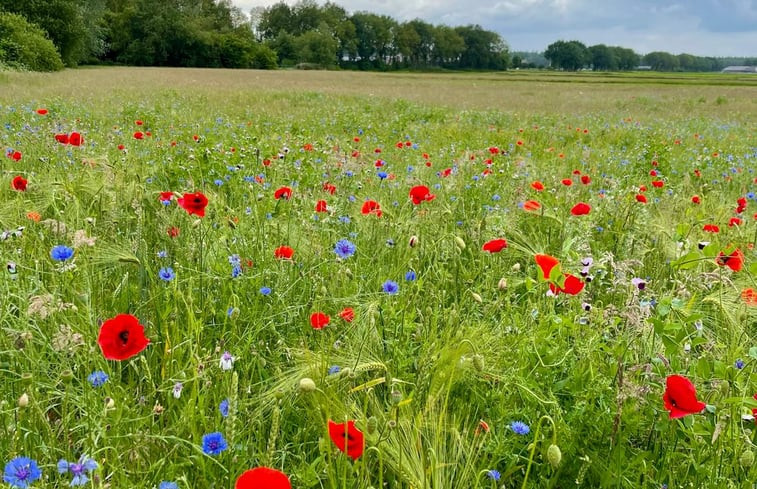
[(318, 320), (371, 207), (567, 182), (62, 138), (173, 231), (537, 185), (749, 296), (571, 286), (122, 337), (652, 173), (75, 139), (329, 187), (734, 261), (165, 196), (546, 263), (19, 183), (321, 206), (585, 179), (283, 193), (754, 410), (711, 228), (580, 209), (696, 200), (531, 205), (138, 122), (348, 314), (347, 438), (283, 253), (421, 193), (494, 150), (194, 203), (263, 478), (658, 184), (15, 155), (139, 135), (643, 188), (641, 198), (42, 111), (121, 147), (495, 245), (734, 221), (680, 397)]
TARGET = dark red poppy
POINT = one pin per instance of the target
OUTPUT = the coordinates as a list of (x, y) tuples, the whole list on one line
[(75, 139), (42, 111), (696, 200), (571, 286), (546, 263), (122, 337), (641, 198), (348, 314), (329, 187), (531, 205), (283, 193), (138, 122), (62, 138), (318, 320), (711, 228), (734, 221), (658, 183), (495, 245), (371, 207), (754, 410), (15, 155), (347, 438), (680, 397), (173, 231), (165, 196), (734, 260), (283, 253), (121, 147), (19, 183), (194, 203), (139, 135), (580, 209), (567, 182), (421, 193), (321, 206), (537, 185), (585, 179), (263, 478)]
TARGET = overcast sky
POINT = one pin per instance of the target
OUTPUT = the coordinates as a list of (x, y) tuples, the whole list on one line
[(701, 27)]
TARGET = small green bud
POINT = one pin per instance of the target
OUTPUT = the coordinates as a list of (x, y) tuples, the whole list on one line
[(554, 456), (306, 385), (396, 397), (27, 378), (391, 424), (67, 376), (746, 459), (23, 401), (477, 297), (372, 425), (460, 243), (478, 362)]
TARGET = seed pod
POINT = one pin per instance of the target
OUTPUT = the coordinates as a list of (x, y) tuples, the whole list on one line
[(413, 241), (477, 297), (478, 362), (396, 397), (23, 401), (502, 284), (372, 425), (554, 456), (306, 385), (460, 243), (67, 376), (746, 459)]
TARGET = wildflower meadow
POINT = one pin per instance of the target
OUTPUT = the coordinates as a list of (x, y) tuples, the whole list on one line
[(272, 287)]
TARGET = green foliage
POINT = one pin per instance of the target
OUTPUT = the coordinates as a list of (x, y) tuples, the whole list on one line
[(570, 55), (24, 45)]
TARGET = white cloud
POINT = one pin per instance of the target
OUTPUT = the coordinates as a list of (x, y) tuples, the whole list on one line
[(701, 27)]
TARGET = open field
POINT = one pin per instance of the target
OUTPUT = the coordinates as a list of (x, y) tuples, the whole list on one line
[(371, 280)]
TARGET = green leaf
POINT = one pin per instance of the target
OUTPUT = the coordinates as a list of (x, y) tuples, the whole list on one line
[(687, 261)]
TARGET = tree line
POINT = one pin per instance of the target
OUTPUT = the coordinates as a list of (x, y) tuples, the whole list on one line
[(45, 35)]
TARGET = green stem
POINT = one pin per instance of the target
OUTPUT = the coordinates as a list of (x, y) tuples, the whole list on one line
[(536, 440)]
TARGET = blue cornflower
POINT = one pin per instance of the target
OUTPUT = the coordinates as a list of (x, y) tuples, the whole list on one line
[(166, 274), (224, 407), (21, 471), (390, 287), (382, 175), (334, 369), (496, 197), (345, 219), (78, 469), (520, 428), (265, 290), (739, 364), (235, 260), (493, 474), (410, 276), (236, 271), (213, 443), (344, 248), (162, 254), (218, 182), (61, 253), (168, 485), (97, 378)]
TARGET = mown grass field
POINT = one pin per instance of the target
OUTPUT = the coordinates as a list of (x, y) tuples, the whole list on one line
[(439, 325)]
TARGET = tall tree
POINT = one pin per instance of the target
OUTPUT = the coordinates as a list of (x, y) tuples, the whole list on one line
[(567, 55), (602, 58)]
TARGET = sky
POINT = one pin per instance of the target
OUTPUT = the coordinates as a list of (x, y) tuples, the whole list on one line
[(699, 27)]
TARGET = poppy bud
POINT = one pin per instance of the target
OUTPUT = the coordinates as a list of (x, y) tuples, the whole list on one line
[(372, 425), (23, 401), (478, 362), (460, 243), (502, 284), (391, 424), (477, 297), (396, 397), (67, 376), (413, 241), (746, 459), (348, 273), (516, 267), (306, 385), (109, 403), (554, 455), (26, 378), (324, 290)]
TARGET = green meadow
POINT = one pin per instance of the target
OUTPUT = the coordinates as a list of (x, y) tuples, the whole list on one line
[(487, 331)]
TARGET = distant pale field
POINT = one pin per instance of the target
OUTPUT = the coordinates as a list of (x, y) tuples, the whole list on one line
[(724, 97)]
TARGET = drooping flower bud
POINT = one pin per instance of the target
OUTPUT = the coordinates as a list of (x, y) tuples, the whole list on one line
[(554, 456), (306, 385)]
